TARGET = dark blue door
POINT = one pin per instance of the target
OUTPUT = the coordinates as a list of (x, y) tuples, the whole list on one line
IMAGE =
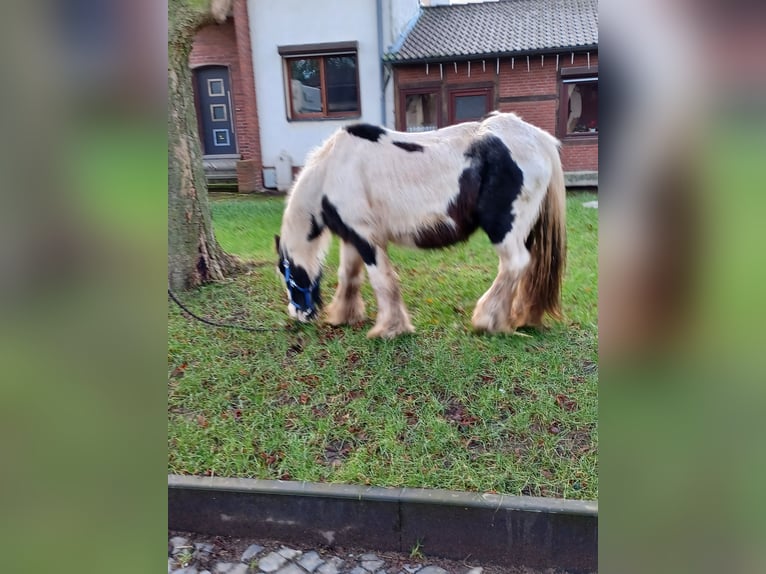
[(216, 122)]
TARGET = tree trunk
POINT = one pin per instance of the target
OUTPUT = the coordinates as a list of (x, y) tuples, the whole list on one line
[(194, 255)]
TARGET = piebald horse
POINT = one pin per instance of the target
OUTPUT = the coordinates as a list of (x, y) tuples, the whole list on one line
[(370, 186)]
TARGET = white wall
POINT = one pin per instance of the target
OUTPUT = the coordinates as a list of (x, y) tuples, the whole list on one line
[(277, 23), (398, 16)]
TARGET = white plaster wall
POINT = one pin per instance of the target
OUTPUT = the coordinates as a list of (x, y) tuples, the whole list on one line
[(398, 15), (276, 23)]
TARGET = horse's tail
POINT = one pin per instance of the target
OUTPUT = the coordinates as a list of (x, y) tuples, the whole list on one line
[(541, 283)]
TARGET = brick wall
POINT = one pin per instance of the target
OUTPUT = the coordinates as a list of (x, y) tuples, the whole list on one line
[(531, 92), (228, 44)]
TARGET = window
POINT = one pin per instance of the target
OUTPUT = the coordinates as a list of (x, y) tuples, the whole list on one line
[(578, 114), (215, 87), (421, 110), (218, 112), (469, 105), (322, 81)]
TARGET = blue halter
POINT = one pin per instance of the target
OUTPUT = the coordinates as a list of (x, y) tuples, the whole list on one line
[(308, 305)]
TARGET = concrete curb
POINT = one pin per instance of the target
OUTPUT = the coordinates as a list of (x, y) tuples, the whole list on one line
[(505, 530)]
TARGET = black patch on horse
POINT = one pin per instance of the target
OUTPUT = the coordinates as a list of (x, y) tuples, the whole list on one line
[(316, 229), (488, 188), (408, 146), (500, 184), (440, 234), (337, 226), (462, 210), (366, 131)]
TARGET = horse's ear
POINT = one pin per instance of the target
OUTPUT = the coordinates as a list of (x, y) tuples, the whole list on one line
[(276, 242)]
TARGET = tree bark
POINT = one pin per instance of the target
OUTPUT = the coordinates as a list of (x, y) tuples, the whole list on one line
[(194, 255)]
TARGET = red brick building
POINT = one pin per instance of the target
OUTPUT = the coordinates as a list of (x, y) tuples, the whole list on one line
[(538, 58), (227, 110), (446, 64)]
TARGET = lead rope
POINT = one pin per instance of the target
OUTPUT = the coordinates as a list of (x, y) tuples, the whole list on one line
[(215, 323)]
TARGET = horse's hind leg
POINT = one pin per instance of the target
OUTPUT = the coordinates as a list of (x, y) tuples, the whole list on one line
[(494, 310), (347, 306), (392, 319)]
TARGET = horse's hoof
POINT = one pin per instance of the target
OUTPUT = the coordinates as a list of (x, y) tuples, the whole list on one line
[(380, 332)]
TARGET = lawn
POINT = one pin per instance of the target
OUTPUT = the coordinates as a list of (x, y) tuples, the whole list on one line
[(443, 408)]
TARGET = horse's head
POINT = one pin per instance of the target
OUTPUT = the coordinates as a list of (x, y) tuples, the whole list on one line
[(302, 291)]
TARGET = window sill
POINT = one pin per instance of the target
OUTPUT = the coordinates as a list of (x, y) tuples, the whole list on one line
[(324, 118), (589, 138)]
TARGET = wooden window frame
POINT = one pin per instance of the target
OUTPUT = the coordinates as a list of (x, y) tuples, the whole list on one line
[(569, 76), (319, 52), (401, 123), (486, 91)]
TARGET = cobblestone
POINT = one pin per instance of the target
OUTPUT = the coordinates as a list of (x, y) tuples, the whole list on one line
[(220, 555), (311, 561)]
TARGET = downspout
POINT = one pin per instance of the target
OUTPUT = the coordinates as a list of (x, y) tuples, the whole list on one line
[(379, 11)]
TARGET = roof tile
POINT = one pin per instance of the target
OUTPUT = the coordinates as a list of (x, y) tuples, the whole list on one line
[(501, 27)]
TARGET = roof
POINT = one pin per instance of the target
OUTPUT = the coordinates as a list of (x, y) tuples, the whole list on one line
[(505, 27)]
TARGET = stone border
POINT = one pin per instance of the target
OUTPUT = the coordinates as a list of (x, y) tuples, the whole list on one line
[(505, 530)]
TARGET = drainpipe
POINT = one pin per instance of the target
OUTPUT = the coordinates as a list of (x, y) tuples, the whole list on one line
[(379, 12)]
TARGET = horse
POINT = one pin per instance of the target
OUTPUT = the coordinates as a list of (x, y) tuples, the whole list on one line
[(372, 186)]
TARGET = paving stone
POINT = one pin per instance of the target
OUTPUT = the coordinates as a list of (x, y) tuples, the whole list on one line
[(332, 566), (412, 568), (251, 552), (371, 562), (178, 543), (477, 570), (372, 565), (223, 567), (238, 569), (289, 553), (291, 569), (271, 562), (359, 570), (311, 561), (432, 570)]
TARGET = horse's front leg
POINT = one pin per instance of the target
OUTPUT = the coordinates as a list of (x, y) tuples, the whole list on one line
[(347, 305), (392, 319)]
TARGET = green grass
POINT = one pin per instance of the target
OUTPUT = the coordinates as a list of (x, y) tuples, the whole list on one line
[(444, 408)]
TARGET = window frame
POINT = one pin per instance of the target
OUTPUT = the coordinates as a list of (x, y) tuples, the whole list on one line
[(486, 91), (431, 89), (319, 52), (572, 76)]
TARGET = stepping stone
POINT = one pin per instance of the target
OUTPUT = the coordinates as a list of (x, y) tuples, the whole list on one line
[(252, 551), (332, 566), (288, 553), (271, 562), (291, 569), (432, 570), (179, 543), (311, 561), (371, 562)]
